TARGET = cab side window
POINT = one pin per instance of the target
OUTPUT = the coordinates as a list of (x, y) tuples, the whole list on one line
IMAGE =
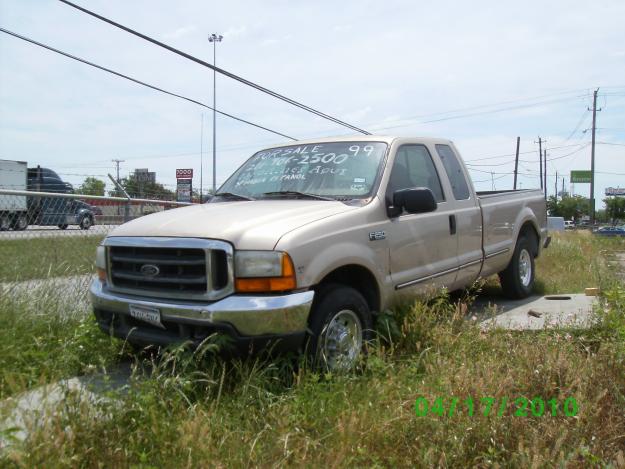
[(413, 167), (454, 172)]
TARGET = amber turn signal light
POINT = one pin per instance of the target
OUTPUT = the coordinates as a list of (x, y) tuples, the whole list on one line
[(101, 275), (285, 282)]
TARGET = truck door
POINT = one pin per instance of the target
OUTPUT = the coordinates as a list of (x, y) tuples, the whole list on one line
[(422, 250), (467, 217)]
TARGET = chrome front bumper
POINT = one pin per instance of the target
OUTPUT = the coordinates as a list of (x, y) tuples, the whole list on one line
[(249, 315)]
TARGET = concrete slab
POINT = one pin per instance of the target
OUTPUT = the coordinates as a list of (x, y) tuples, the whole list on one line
[(21, 414), (533, 313)]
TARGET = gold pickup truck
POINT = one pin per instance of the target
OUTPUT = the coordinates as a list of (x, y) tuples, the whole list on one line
[(306, 241)]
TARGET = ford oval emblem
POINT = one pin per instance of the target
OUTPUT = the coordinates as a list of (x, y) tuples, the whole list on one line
[(149, 270)]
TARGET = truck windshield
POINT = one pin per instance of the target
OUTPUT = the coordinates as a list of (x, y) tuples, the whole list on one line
[(336, 170)]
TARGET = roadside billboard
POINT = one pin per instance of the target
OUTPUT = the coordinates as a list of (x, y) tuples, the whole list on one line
[(580, 176), (615, 191), (183, 190), (184, 173)]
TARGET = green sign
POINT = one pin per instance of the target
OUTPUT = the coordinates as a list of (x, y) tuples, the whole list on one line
[(580, 176)]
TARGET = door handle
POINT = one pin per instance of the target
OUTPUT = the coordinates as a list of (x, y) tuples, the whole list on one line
[(452, 224)]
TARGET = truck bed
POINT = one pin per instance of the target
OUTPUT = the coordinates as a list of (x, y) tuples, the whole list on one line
[(503, 213)]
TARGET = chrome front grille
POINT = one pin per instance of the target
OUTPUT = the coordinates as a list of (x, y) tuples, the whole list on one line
[(181, 268)]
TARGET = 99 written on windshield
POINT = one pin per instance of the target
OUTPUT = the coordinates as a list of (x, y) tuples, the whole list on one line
[(337, 168)]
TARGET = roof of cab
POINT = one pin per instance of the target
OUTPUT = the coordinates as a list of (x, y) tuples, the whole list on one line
[(362, 138)]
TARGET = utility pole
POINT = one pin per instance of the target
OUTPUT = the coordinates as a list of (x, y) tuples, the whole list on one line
[(119, 186), (555, 186), (540, 162), (117, 164), (563, 186), (592, 158), (545, 184), (214, 38), (516, 160), (492, 180), (201, 156)]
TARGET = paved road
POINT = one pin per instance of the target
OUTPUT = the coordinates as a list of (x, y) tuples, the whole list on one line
[(54, 232)]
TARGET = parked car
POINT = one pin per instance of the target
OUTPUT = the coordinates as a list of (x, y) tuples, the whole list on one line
[(305, 241), (569, 225), (610, 231)]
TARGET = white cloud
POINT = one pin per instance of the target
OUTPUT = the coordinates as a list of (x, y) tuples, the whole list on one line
[(180, 32), (269, 42), (235, 32), (391, 61)]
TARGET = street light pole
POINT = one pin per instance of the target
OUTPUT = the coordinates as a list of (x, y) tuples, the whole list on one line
[(214, 38)]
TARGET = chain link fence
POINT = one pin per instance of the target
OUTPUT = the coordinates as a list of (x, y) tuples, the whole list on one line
[(48, 240)]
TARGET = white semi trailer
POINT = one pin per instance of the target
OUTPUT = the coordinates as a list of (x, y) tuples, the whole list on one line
[(13, 208)]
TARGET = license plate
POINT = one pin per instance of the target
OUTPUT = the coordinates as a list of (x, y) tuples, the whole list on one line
[(147, 314)]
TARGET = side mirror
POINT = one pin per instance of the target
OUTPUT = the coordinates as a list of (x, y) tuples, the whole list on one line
[(415, 200)]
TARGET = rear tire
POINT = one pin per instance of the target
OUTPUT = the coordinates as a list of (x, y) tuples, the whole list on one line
[(5, 223), (62, 227), (517, 280), (340, 327)]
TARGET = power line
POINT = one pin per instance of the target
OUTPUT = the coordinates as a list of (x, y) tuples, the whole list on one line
[(482, 106), (217, 69), (472, 114), (521, 153), (73, 57), (579, 124)]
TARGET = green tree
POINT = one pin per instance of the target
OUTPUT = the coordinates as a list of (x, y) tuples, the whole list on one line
[(146, 190), (615, 208), (569, 207), (91, 186)]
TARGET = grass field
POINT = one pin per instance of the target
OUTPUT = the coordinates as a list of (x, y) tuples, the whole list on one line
[(27, 259), (197, 410)]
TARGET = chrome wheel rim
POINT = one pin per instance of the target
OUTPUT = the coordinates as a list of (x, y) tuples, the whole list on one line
[(341, 341), (86, 223), (525, 267)]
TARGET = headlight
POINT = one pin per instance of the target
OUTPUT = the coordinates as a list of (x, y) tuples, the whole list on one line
[(263, 271), (100, 263)]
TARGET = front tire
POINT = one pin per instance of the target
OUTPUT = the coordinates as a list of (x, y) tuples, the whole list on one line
[(340, 327), (62, 227), (86, 222), (517, 280)]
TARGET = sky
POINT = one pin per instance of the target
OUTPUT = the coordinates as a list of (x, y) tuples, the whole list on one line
[(479, 73)]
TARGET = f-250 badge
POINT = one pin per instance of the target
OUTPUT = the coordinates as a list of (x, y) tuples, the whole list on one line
[(377, 235)]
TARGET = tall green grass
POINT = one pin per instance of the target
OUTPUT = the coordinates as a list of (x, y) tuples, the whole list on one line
[(185, 409), (195, 409), (37, 258)]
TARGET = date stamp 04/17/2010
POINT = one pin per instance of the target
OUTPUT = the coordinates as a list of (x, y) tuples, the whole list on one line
[(491, 406)]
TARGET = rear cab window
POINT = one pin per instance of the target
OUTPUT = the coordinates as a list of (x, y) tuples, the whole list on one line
[(454, 171)]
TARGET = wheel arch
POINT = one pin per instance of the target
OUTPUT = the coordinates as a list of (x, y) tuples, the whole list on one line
[(528, 228), (357, 277)]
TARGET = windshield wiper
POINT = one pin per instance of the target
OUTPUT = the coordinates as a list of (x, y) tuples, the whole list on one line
[(232, 195), (300, 194)]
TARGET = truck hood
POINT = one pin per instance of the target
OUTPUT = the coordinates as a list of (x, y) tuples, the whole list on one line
[(257, 224)]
